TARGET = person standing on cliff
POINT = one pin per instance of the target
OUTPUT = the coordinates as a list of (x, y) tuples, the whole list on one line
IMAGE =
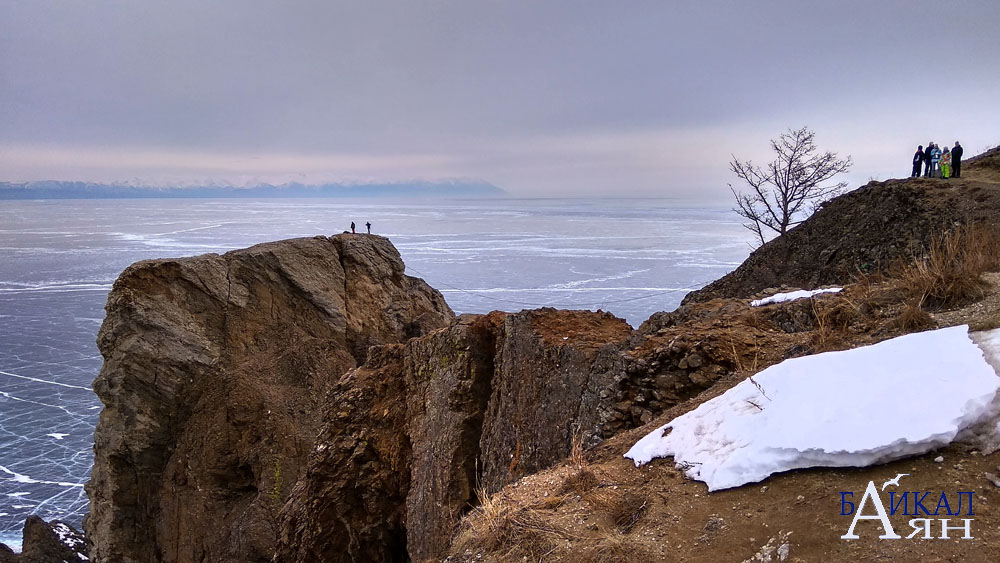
[(369, 225), (352, 227), (927, 160), (935, 159), (956, 160), (945, 164), (918, 158)]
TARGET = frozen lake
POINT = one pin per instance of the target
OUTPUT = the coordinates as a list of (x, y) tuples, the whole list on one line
[(60, 257)]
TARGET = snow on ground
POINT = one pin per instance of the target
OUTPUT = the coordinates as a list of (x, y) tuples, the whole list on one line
[(901, 397), (793, 295)]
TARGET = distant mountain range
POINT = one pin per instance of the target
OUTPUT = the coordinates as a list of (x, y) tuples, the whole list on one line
[(51, 189)]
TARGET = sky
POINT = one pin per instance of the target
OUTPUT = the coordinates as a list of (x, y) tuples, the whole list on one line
[(541, 98)]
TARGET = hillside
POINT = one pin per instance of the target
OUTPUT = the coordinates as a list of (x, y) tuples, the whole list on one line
[(867, 230)]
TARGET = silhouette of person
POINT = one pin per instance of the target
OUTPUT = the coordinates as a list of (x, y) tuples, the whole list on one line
[(352, 226), (918, 159), (956, 160), (927, 160), (369, 225)]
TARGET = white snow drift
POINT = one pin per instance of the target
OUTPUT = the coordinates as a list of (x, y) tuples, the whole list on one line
[(854, 408), (793, 295)]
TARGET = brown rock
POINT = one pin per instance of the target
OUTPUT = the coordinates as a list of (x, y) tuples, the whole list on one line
[(350, 504), (489, 398), (47, 543), (448, 378), (214, 369), (549, 371)]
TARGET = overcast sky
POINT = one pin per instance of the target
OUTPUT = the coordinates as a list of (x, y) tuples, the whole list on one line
[(556, 98)]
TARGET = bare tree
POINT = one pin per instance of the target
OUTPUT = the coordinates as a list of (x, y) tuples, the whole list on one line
[(780, 191)]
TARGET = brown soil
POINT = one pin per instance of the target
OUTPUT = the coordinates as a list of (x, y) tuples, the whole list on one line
[(581, 329)]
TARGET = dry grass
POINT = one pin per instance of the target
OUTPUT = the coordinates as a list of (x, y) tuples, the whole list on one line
[(499, 526), (951, 272), (580, 479), (620, 510), (612, 546), (756, 318), (832, 316), (913, 318)]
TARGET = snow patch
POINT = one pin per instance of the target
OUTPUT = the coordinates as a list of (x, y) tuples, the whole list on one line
[(69, 537), (793, 295), (901, 397)]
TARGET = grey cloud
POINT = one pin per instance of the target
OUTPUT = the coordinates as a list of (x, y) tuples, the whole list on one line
[(441, 76)]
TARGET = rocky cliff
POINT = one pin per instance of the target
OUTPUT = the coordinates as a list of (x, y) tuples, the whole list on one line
[(419, 427), (215, 370), (305, 401)]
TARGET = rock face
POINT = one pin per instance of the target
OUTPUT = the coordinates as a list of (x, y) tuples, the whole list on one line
[(47, 543), (215, 370), (551, 371), (486, 400)]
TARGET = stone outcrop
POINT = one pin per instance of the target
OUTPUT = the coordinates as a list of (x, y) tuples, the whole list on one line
[(554, 371), (213, 383), (407, 442), (43, 542)]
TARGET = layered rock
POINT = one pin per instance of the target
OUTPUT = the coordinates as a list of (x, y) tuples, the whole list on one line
[(215, 370), (477, 404), (555, 372), (43, 542)]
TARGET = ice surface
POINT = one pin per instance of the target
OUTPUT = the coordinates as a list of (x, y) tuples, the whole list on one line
[(793, 295), (854, 408)]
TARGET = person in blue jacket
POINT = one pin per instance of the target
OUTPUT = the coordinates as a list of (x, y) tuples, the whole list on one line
[(935, 158)]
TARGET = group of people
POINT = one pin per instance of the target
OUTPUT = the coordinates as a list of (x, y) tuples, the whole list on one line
[(937, 163), (368, 224)]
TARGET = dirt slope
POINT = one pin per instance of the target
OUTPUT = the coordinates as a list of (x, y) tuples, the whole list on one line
[(866, 230)]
